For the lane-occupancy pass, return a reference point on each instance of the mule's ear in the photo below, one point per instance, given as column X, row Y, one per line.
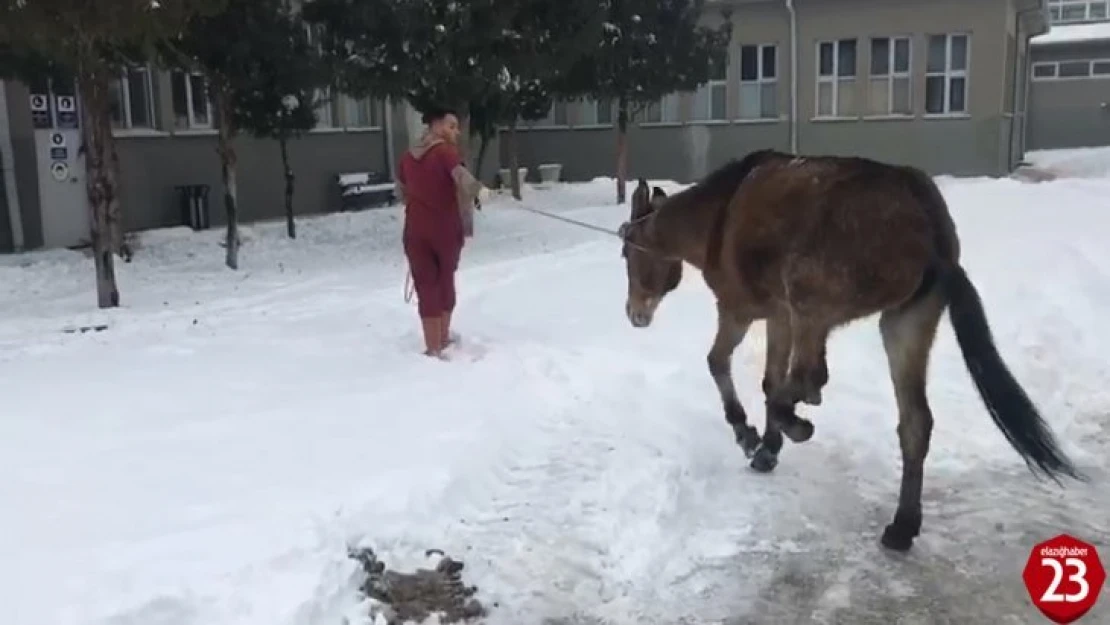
column 657, row 192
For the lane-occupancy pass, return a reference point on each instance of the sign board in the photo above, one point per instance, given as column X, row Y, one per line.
column 59, row 154
column 67, row 111
column 40, row 111
column 59, row 170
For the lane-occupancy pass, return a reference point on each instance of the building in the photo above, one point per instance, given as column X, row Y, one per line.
column 937, row 84
column 941, row 84
column 1069, row 99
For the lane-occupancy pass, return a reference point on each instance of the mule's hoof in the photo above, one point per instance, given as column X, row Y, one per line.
column 898, row 537
column 748, row 440
column 799, row 430
column 764, row 460
column 812, row 397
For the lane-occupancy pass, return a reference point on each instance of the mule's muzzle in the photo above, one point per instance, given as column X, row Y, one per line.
column 622, row 231
column 640, row 314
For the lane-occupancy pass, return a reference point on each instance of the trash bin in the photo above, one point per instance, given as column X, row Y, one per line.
column 194, row 205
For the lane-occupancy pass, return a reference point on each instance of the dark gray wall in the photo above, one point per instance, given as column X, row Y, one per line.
column 152, row 166
column 974, row 144
column 1069, row 113
column 26, row 174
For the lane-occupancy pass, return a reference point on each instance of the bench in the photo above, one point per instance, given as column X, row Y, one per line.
column 364, row 189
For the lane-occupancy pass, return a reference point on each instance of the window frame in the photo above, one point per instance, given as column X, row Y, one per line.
column 949, row 74
column 835, row 79
column 759, row 81
column 127, row 121
column 891, row 76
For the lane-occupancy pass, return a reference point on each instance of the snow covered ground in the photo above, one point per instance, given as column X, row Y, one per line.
column 207, row 459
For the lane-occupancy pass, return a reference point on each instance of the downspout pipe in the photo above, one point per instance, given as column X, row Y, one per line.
column 793, row 76
column 1021, row 87
column 389, row 146
column 7, row 164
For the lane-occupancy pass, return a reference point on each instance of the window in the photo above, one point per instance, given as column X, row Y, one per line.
column 1053, row 70
column 327, row 106
column 360, row 113
column 132, row 100
column 946, row 74
column 664, row 111
column 889, row 90
column 192, row 107
column 711, row 99
column 836, row 78
column 758, row 81
column 595, row 113
column 1071, row 11
column 556, row 115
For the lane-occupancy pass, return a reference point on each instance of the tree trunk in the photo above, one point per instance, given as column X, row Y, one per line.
column 93, row 86
column 481, row 156
column 622, row 148
column 290, row 223
column 514, row 162
column 115, row 217
column 226, row 149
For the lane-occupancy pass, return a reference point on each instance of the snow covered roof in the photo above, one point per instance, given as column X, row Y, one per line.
column 1074, row 33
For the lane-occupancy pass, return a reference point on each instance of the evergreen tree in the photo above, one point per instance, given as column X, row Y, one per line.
column 278, row 97
column 91, row 42
column 225, row 47
column 428, row 52
column 646, row 50
column 547, row 38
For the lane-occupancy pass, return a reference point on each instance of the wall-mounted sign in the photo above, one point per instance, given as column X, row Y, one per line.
column 59, row 170
column 59, row 154
column 40, row 111
column 67, row 111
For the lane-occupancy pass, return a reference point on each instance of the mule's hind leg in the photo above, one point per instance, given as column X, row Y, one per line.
column 808, row 373
column 730, row 332
column 774, row 376
column 908, row 334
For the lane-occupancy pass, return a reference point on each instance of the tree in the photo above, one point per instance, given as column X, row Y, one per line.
column 431, row 52
column 223, row 47
column 547, row 38
column 648, row 49
column 278, row 97
column 91, row 42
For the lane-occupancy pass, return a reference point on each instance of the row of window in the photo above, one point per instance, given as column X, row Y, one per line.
column 1074, row 11
column 135, row 107
column 839, row 90
column 1091, row 68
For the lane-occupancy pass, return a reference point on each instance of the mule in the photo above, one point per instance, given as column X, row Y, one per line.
column 811, row 244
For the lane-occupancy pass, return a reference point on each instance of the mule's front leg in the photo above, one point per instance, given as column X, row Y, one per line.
column 730, row 332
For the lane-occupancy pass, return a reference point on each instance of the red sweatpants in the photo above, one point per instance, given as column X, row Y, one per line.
column 433, row 261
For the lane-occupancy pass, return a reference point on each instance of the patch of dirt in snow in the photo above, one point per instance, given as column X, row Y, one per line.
column 414, row 597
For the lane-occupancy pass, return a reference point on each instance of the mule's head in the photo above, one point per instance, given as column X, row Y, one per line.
column 651, row 274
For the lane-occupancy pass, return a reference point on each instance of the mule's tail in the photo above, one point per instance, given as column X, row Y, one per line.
column 1010, row 408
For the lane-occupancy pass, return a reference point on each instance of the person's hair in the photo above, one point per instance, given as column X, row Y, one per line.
column 436, row 113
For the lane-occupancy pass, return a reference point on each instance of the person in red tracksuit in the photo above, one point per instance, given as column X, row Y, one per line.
column 439, row 195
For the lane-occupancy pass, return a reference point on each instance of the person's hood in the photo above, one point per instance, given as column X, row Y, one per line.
column 426, row 143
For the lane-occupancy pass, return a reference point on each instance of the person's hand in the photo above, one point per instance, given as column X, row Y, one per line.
column 483, row 194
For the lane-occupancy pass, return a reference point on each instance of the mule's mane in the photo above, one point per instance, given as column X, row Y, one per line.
column 720, row 184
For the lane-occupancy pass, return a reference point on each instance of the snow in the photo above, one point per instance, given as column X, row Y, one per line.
column 1073, row 33
column 207, row 458
column 1093, row 162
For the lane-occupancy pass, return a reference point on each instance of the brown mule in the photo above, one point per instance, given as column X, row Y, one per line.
column 810, row 244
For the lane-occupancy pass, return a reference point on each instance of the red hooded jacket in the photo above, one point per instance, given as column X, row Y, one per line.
column 427, row 177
